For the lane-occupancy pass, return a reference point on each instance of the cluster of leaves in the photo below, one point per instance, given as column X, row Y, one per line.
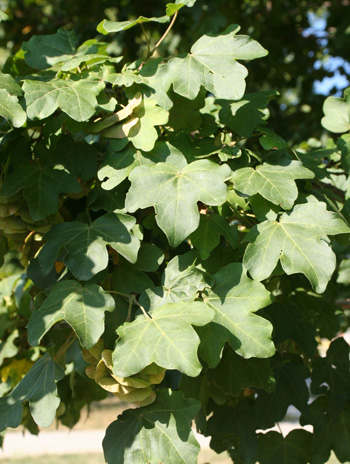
column 161, row 242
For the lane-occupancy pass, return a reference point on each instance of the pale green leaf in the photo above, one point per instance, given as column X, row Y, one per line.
column 7, row 348
column 158, row 433
column 166, row 338
column 39, row 388
column 296, row 240
column 276, row 183
column 106, row 27
column 235, row 298
column 8, row 83
column 212, row 64
column 143, row 135
column 77, row 98
column 11, row 110
column 3, row 16
column 181, row 281
column 174, row 193
column 337, row 113
column 84, row 246
column 119, row 164
column 81, row 306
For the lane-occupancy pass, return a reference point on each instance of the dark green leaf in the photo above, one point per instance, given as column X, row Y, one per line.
column 84, row 245
column 207, row 236
column 39, row 388
column 295, row 448
column 42, row 183
column 160, row 432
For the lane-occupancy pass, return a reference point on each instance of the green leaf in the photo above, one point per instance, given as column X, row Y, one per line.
column 84, row 245
column 333, row 370
column 296, row 240
column 42, row 183
column 79, row 158
column 331, row 431
column 293, row 319
column 234, row 427
column 344, row 144
column 150, row 257
column 143, row 134
column 8, row 83
column 295, row 448
column 276, row 183
column 207, row 236
column 181, row 281
column 272, row 407
column 3, row 16
column 119, row 163
column 212, row 64
column 337, row 113
column 160, row 432
column 11, row 110
column 234, row 373
column 77, row 98
column 127, row 278
column 106, row 27
column 171, row 8
column 159, row 81
column 81, row 306
column 247, row 114
column 43, row 51
column 185, row 114
column 174, row 193
column 166, row 338
column 271, row 140
column 7, row 348
column 234, row 299
column 39, row 388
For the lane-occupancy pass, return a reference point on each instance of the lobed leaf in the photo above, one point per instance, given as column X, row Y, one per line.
column 174, row 193
column 160, row 432
column 296, row 240
column 166, row 338
column 84, row 246
column 81, row 306
column 39, row 388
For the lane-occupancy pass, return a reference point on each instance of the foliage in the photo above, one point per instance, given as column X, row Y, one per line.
column 161, row 242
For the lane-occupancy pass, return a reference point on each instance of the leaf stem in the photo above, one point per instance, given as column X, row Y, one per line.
column 70, row 340
column 132, row 300
column 142, row 308
column 164, row 35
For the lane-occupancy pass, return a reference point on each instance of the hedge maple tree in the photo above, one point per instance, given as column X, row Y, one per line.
column 160, row 242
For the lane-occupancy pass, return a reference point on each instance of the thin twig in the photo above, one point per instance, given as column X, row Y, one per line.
column 164, row 35
column 70, row 340
column 120, row 293
column 132, row 300
column 142, row 308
